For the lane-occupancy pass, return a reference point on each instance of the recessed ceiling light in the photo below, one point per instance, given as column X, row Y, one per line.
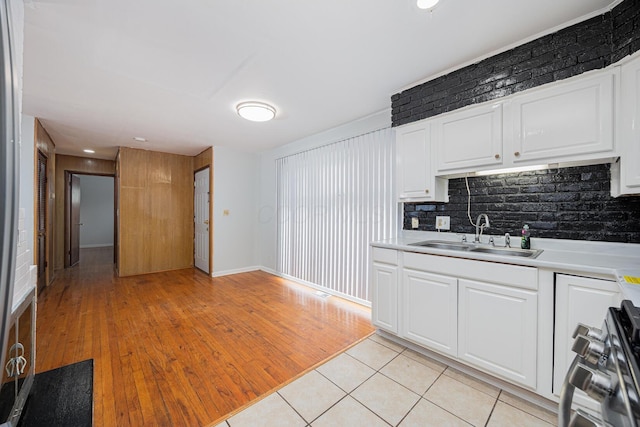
column 139, row 139
column 89, row 151
column 256, row 111
column 427, row 4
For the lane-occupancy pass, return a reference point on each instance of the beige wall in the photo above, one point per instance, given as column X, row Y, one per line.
column 155, row 195
column 76, row 165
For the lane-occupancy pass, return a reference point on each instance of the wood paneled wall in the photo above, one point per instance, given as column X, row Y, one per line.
column 45, row 145
column 201, row 161
column 76, row 165
column 156, row 211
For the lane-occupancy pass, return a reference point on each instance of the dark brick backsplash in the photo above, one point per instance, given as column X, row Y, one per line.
column 585, row 46
column 566, row 203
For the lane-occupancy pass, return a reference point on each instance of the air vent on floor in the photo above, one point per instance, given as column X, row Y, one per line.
column 322, row 294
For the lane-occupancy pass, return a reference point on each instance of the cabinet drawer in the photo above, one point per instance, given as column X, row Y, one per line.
column 386, row 256
column 512, row 275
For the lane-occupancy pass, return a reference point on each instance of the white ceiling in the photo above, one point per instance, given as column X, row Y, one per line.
column 100, row 72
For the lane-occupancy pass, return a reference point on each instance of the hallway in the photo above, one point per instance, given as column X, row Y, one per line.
column 181, row 348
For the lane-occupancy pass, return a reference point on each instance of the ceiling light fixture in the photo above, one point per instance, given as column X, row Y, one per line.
column 427, row 4
column 139, row 139
column 88, row 151
column 256, row 111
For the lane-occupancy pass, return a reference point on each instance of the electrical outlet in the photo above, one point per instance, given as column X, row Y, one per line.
column 415, row 223
column 443, row 223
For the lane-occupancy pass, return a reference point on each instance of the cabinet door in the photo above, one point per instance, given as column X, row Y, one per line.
column 578, row 300
column 430, row 314
column 569, row 121
column 413, row 164
column 629, row 128
column 469, row 139
column 497, row 330
column 384, row 303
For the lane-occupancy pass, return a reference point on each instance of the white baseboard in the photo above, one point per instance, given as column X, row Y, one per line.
column 234, row 271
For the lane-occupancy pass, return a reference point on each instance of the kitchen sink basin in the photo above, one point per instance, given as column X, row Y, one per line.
column 441, row 244
column 472, row 247
column 526, row 253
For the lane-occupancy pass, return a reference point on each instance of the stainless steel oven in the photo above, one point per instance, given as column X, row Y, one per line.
column 606, row 368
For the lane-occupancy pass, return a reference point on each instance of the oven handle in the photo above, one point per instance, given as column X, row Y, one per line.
column 566, row 395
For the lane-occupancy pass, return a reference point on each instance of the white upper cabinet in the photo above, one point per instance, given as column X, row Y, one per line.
column 469, row 139
column 416, row 181
column 568, row 121
column 629, row 131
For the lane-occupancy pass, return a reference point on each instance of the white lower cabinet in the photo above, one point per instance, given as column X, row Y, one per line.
column 384, row 274
column 497, row 329
column 430, row 314
column 578, row 300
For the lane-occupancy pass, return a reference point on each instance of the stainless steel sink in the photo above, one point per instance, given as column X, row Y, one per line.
column 526, row 253
column 472, row 247
column 443, row 244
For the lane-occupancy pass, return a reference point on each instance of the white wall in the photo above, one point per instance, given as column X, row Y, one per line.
column 235, row 177
column 96, row 211
column 267, row 231
column 27, row 171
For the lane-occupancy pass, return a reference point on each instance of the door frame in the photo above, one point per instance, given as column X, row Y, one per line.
column 42, row 281
column 67, row 213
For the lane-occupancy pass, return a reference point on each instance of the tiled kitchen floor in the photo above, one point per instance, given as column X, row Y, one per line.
column 379, row 383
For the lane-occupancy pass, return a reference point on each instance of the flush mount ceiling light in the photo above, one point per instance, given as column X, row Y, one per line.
column 139, row 139
column 427, row 4
column 88, row 151
column 256, row 111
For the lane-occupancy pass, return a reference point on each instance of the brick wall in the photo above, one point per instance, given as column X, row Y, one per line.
column 571, row 203
column 588, row 45
column 566, row 203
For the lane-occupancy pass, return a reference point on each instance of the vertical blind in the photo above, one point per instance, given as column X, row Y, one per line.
column 332, row 202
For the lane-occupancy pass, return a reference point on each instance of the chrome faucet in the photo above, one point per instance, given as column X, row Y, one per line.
column 480, row 229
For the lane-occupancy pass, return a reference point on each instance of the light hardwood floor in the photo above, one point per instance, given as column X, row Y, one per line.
column 181, row 348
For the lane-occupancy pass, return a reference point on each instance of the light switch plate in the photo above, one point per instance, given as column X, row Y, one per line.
column 443, row 223
column 415, row 223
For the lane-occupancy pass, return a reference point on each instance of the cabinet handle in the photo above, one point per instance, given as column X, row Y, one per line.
column 497, row 156
column 517, row 154
column 426, row 191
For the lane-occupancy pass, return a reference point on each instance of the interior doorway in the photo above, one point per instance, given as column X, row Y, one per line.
column 89, row 215
column 41, row 221
column 201, row 202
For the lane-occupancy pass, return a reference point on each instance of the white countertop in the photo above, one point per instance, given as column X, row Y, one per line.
column 601, row 259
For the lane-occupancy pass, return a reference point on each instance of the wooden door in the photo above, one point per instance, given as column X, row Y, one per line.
column 74, row 215
column 201, row 220
column 42, row 222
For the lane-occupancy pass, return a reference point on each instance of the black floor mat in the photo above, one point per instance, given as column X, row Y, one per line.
column 61, row 397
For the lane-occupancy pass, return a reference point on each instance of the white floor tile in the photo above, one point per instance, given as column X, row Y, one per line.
column 347, row 372
column 461, row 400
column 387, row 342
column 311, row 395
column 426, row 414
column 411, row 374
column 348, row 412
column 433, row 364
column 372, row 354
column 530, row 408
column 270, row 411
column 507, row 416
column 472, row 382
column 386, row 398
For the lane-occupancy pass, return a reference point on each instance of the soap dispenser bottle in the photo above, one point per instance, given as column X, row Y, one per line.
column 525, row 243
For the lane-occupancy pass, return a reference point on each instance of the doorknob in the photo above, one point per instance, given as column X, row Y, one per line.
column 206, row 221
